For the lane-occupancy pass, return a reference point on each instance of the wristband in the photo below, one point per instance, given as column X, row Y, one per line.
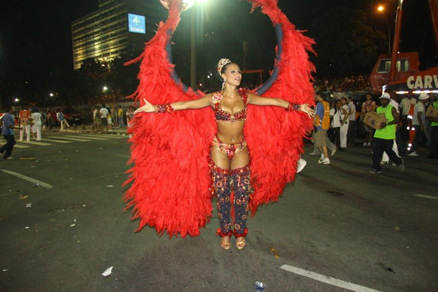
column 163, row 108
column 293, row 107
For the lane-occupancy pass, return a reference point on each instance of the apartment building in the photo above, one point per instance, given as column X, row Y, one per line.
column 118, row 25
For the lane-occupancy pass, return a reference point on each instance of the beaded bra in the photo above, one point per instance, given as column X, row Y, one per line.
column 222, row 115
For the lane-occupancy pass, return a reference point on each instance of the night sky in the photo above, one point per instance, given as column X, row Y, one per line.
column 35, row 36
column 39, row 32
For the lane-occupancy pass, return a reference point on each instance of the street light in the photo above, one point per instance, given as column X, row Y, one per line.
column 381, row 9
column 210, row 77
column 104, row 89
column 193, row 50
column 193, row 42
column 186, row 4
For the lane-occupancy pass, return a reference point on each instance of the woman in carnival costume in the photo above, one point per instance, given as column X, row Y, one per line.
column 179, row 151
column 229, row 157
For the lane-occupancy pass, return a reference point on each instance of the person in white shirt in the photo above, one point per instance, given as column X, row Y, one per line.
column 96, row 118
column 418, row 123
column 351, row 136
column 337, row 113
column 405, row 106
column 345, row 122
column 104, row 117
column 37, row 121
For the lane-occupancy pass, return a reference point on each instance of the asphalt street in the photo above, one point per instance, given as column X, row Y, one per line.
column 336, row 227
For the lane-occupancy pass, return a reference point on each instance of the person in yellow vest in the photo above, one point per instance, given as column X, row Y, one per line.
column 322, row 124
column 434, row 134
column 384, row 137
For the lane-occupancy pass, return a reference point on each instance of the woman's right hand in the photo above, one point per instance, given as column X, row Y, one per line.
column 146, row 108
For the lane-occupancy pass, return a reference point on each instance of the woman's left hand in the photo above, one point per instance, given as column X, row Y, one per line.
column 305, row 108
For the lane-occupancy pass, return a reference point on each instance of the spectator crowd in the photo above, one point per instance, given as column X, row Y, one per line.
column 339, row 121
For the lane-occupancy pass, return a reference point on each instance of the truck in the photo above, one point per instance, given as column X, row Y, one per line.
column 400, row 71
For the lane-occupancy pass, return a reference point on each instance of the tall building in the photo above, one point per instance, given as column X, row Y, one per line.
column 118, row 25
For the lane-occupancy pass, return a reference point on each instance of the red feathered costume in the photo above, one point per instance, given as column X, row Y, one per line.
column 170, row 181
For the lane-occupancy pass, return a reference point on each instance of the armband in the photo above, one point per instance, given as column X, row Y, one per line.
column 293, row 107
column 163, row 108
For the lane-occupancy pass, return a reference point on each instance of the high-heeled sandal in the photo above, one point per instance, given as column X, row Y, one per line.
column 225, row 244
column 240, row 242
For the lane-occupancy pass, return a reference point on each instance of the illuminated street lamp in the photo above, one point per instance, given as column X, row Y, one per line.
column 381, row 9
column 104, row 89
column 51, row 94
column 16, row 100
column 186, row 4
column 209, row 77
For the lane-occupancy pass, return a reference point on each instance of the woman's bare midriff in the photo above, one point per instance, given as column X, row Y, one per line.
column 230, row 132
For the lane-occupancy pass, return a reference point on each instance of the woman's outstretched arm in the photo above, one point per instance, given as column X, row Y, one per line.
column 263, row 101
column 175, row 106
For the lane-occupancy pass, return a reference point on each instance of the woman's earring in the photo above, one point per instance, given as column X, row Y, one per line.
column 223, row 85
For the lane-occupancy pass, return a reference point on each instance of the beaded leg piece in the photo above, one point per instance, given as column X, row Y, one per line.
column 242, row 192
column 222, row 188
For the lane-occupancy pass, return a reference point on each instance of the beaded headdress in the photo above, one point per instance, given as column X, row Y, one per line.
column 222, row 63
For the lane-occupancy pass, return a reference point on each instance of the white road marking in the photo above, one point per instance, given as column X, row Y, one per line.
column 36, row 143
column 57, row 141
column 21, row 146
column 426, row 197
column 115, row 136
column 71, row 139
column 32, row 180
column 85, row 137
column 327, row 279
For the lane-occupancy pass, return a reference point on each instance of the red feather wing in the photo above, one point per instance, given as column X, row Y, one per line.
column 170, row 179
column 275, row 137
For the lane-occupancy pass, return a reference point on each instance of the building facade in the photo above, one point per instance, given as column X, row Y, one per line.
column 118, row 25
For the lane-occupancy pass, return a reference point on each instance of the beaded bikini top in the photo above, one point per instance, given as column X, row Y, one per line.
column 222, row 115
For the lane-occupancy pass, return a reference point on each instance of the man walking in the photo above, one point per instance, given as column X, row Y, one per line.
column 434, row 133
column 120, row 117
column 322, row 124
column 61, row 119
column 418, row 122
column 7, row 121
column 37, row 123
column 384, row 137
column 24, row 124
column 351, row 136
column 104, row 117
column 405, row 105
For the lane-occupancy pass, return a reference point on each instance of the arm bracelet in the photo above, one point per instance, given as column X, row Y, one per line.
column 293, row 107
column 163, row 108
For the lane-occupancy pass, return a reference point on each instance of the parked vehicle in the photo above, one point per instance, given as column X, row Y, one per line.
column 72, row 116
